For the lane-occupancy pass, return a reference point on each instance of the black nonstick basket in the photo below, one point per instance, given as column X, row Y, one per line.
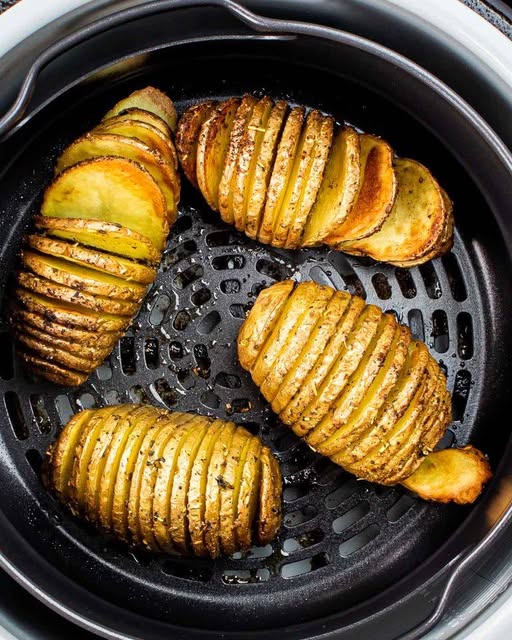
column 349, row 552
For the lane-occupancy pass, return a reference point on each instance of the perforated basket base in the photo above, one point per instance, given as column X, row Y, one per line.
column 343, row 540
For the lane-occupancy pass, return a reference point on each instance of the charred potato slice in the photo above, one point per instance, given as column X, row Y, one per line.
column 41, row 368
column 148, row 99
column 187, row 136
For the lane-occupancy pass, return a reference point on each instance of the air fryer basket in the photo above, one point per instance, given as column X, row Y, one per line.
column 347, row 548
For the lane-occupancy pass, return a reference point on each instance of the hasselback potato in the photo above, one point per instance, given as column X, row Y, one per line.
column 167, row 481
column 100, row 236
column 353, row 383
column 291, row 178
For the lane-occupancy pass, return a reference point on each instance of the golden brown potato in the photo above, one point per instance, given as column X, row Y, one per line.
column 354, row 384
column 187, row 137
column 167, row 481
column 148, row 99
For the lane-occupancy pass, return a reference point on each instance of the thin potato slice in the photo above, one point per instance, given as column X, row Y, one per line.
column 63, row 313
column 96, row 145
column 247, row 158
column 312, row 182
column 81, row 278
column 416, row 221
column 269, row 517
column 51, row 371
column 295, row 341
column 261, row 167
column 212, row 146
column 259, row 324
column 338, row 189
column 320, row 335
column 281, row 172
column 295, row 409
column 50, row 289
column 115, row 265
column 214, row 488
column 105, row 236
column 248, row 494
column 225, row 194
column 284, row 327
column 349, row 357
column 284, row 215
column 228, row 505
column 111, row 190
column 188, row 134
column 451, row 475
column 142, row 115
column 149, row 99
column 358, row 384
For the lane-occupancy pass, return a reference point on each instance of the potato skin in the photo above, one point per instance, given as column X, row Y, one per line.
column 167, row 481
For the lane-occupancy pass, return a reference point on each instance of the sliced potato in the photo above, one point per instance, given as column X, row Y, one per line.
column 281, row 172
column 96, row 145
column 105, row 236
column 249, row 149
column 312, row 182
column 187, row 137
column 51, row 371
column 148, row 99
column 261, row 166
column 111, row 190
column 50, row 289
column 142, row 115
column 269, row 517
column 416, row 221
column 115, row 265
column 376, row 195
column 212, row 146
column 248, row 494
column 259, row 324
column 317, row 341
column 225, row 193
column 338, row 189
column 82, row 278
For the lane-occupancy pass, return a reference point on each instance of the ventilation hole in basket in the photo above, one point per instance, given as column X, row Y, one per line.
column 112, row 397
column 185, row 278
column 224, row 238
column 273, row 270
column 406, row 283
column 239, row 310
column 7, row 360
column 294, row 493
column 399, row 508
column 446, row 441
column 151, row 353
column 16, row 418
column 186, row 379
column 210, row 400
column 381, row 286
column 295, row 518
column 181, row 225
column 350, row 517
column 455, row 279
column 176, row 254
column 230, row 286
column 299, row 568
column 64, row 409
column 464, row 336
column 104, row 371
column 321, row 276
column 41, row 417
column 163, row 392
column 203, row 362
column 415, row 322
column 245, row 576
column 306, row 540
column 181, row 320
column 336, row 497
column 86, row 401
column 175, row 350
column 358, row 541
column 228, row 380
column 285, row 442
column 159, row 309
column 127, row 355
column 138, row 394
column 35, row 460
column 430, row 280
column 201, row 296
column 460, row 394
column 208, row 323
column 440, row 331
column 228, row 262
column 238, row 405
column 260, row 552
column 186, row 571
column 352, row 282
column 327, row 472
